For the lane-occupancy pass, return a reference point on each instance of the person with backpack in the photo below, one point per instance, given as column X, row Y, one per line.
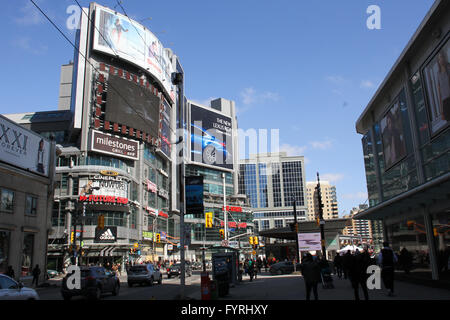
column 387, row 260
column 311, row 275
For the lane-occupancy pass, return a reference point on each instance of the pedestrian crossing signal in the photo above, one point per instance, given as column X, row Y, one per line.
column 222, row 233
column 158, row 237
column 72, row 237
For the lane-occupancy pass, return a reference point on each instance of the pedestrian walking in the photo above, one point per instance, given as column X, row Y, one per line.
column 251, row 269
column 387, row 260
column 311, row 275
column 36, row 272
column 358, row 273
column 338, row 265
column 405, row 260
column 346, row 263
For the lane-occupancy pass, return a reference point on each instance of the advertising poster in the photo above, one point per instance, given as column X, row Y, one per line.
column 394, row 147
column 116, row 35
column 309, row 242
column 106, row 235
column 194, row 195
column 22, row 148
column 211, row 138
column 437, row 78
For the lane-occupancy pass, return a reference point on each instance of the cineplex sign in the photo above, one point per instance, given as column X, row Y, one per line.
column 115, row 146
column 103, row 199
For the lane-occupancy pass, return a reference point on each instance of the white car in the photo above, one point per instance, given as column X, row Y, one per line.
column 143, row 273
column 10, row 289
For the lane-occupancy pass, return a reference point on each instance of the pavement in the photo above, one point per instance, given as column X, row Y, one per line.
column 292, row 287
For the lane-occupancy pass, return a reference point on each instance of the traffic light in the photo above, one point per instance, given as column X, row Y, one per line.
column 250, row 240
column 158, row 237
column 208, row 219
column 101, row 221
column 255, row 240
column 72, row 236
column 222, row 233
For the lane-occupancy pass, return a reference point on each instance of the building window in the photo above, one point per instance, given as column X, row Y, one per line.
column 4, row 250
column 30, row 205
column 7, row 200
column 27, row 254
column 278, row 223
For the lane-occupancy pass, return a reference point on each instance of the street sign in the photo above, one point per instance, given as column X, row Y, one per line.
column 233, row 244
column 225, row 243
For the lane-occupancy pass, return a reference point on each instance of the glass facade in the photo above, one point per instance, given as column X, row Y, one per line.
column 371, row 175
column 263, row 196
column 293, row 183
column 249, row 186
column 276, row 184
column 213, row 182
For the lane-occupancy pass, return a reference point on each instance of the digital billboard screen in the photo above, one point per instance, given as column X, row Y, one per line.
column 211, row 138
column 132, row 105
column 165, row 130
column 194, row 194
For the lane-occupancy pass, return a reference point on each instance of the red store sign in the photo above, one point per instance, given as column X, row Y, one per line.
column 103, row 199
column 233, row 209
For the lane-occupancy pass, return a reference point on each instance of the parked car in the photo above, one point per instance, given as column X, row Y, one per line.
column 52, row 273
column 197, row 266
column 144, row 273
column 284, row 267
column 10, row 289
column 94, row 282
column 175, row 270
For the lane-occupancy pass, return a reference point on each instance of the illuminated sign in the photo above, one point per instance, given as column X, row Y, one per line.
column 103, row 199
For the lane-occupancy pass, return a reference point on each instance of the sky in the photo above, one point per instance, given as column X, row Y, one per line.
column 307, row 68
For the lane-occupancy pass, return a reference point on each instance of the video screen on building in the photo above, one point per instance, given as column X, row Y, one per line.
column 132, row 105
column 211, row 138
column 394, row 147
column 437, row 79
column 165, row 129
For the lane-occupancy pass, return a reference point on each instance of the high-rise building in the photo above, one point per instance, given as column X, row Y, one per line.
column 405, row 132
column 358, row 228
column 329, row 200
column 272, row 182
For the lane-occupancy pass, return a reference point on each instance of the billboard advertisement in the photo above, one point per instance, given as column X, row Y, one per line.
column 132, row 105
column 437, row 79
column 117, row 35
column 309, row 242
column 394, row 147
column 194, row 195
column 103, row 185
column 116, row 146
column 24, row 149
column 105, row 235
column 211, row 138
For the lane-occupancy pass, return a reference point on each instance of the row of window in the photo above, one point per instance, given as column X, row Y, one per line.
column 7, row 202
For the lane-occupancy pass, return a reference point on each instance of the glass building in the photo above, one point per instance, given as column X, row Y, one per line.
column 406, row 142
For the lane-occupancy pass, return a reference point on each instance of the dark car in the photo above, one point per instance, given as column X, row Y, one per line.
column 175, row 270
column 284, row 267
column 94, row 282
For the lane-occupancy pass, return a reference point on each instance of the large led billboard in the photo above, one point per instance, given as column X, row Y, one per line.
column 117, row 35
column 394, row 147
column 132, row 105
column 165, row 129
column 211, row 138
column 437, row 78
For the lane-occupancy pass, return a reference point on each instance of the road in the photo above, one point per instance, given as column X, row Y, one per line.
column 168, row 290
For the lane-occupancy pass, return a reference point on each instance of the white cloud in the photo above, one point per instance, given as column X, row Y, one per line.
column 30, row 15
column 367, row 84
column 335, row 79
column 293, row 150
column 25, row 43
column 355, row 196
column 322, row 145
column 332, row 177
column 251, row 96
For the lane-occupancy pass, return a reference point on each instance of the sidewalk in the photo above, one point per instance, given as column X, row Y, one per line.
column 292, row 287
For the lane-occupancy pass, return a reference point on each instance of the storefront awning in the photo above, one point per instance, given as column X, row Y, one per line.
column 424, row 195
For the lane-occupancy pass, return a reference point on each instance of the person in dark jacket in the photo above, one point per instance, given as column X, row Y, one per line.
column 36, row 272
column 405, row 260
column 10, row 272
column 346, row 263
column 338, row 265
column 358, row 273
column 387, row 260
column 311, row 275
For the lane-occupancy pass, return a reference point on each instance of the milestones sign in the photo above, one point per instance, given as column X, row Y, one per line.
column 115, row 146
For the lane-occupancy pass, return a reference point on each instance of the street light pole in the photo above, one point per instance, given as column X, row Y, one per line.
column 321, row 221
column 225, row 212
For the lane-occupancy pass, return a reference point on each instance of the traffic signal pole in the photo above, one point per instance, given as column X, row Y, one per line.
column 321, row 221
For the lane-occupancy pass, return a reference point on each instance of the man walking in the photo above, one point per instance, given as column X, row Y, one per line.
column 36, row 272
column 387, row 260
column 338, row 265
column 358, row 273
column 311, row 275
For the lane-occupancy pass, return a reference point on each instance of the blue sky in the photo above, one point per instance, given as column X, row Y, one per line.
column 307, row 68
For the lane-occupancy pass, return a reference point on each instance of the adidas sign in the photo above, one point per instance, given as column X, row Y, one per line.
column 107, row 235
